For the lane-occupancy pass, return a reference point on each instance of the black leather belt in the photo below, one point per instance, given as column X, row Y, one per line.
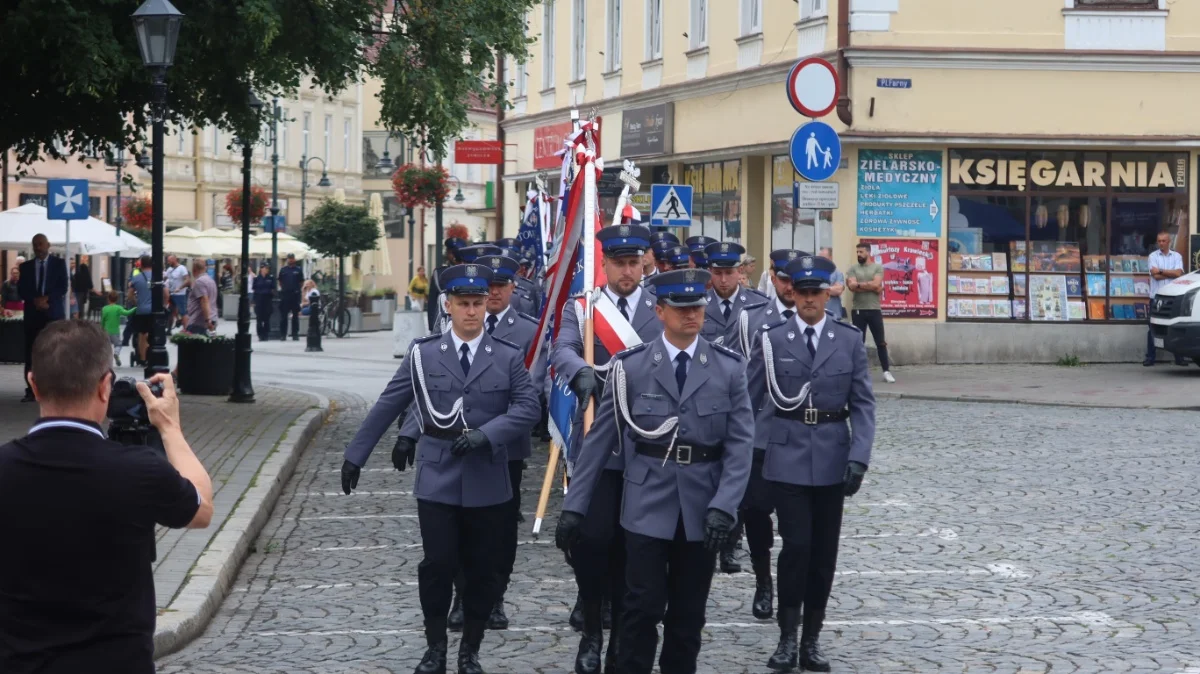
column 683, row 454
column 443, row 433
column 812, row 417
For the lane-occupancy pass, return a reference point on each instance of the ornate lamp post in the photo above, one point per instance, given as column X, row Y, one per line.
column 117, row 162
column 323, row 182
column 243, row 389
column 157, row 23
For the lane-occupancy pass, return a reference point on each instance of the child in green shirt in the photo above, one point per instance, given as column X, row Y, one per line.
column 110, row 318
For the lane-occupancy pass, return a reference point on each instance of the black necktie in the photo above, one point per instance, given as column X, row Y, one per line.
column 808, row 341
column 465, row 361
column 728, row 308
column 41, row 277
column 681, row 362
column 623, row 305
column 787, row 314
column 491, row 323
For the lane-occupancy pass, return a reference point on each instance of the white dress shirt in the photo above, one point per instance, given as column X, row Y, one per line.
column 673, row 351
column 816, row 340
column 499, row 317
column 632, row 300
column 779, row 307
column 472, row 346
column 1163, row 262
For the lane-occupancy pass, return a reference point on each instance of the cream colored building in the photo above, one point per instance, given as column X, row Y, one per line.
column 1060, row 130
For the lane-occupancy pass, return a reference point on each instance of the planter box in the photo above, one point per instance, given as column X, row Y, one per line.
column 386, row 308
column 12, row 341
column 231, row 307
column 206, row 367
column 407, row 326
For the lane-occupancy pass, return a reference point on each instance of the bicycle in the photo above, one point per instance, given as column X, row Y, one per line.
column 336, row 318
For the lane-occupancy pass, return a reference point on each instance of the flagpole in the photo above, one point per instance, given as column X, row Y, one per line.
column 589, row 262
column 547, row 483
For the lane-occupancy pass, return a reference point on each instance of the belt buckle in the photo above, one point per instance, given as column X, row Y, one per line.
column 679, row 458
column 810, row 416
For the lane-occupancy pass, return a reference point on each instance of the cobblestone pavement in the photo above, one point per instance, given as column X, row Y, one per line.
column 231, row 440
column 988, row 538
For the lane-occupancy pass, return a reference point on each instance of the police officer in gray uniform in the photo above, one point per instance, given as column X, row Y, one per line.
column 599, row 556
column 506, row 323
column 807, row 377
column 433, row 303
column 678, row 409
column 475, row 402
column 525, row 295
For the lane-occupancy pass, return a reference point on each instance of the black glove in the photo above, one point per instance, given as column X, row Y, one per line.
column 566, row 534
column 350, row 473
column 471, row 440
column 853, row 478
column 405, row 452
column 584, row 383
column 718, row 525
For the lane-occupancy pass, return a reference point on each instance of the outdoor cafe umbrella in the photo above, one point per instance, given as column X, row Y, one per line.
column 19, row 225
column 184, row 241
column 377, row 261
column 260, row 246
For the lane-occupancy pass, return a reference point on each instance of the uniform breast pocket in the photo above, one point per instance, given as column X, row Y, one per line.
column 713, row 411
column 840, row 375
column 650, row 412
column 440, row 383
column 496, row 393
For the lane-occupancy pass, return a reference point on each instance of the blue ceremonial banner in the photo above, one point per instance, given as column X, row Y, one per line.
column 530, row 234
column 562, row 412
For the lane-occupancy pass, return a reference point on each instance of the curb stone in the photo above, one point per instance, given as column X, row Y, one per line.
column 209, row 581
column 1033, row 403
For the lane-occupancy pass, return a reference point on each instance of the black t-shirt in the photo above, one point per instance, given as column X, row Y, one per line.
column 77, row 541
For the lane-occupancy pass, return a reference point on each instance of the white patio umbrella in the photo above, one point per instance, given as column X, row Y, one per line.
column 220, row 242
column 377, row 261
column 260, row 245
column 19, row 225
column 184, row 241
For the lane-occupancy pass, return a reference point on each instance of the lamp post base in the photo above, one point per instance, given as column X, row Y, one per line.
column 273, row 332
column 243, row 389
column 158, row 361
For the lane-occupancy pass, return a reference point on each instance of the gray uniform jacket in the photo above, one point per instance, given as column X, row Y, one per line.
column 720, row 331
column 714, row 408
column 813, row 455
column 531, row 296
column 518, row 329
column 499, row 399
column 567, row 354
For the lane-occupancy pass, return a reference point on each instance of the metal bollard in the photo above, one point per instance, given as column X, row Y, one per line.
column 314, row 325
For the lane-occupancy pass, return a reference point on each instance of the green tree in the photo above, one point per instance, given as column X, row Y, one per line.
column 80, row 81
column 338, row 230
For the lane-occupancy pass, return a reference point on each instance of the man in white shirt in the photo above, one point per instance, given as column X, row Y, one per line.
column 1165, row 265
column 177, row 282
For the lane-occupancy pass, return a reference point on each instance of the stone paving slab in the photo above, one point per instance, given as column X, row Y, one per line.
column 1164, row 386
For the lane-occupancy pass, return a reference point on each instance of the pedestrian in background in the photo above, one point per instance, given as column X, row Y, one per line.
column 1165, row 265
column 418, row 289
column 43, row 288
column 865, row 280
column 837, row 286
column 264, row 294
column 110, row 318
column 309, row 292
column 749, row 262
column 202, row 301
column 10, row 292
column 81, row 286
column 176, row 281
column 225, row 286
column 291, row 278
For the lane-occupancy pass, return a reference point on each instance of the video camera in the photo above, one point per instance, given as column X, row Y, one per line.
column 130, row 420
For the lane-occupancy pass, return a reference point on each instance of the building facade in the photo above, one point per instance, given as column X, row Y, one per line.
column 1010, row 163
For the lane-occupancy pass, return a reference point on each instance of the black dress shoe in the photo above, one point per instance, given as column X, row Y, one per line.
column 468, row 649
column 811, row 657
column 1147, row 363
column 434, row 661
column 576, row 619
column 606, row 614
column 454, row 621
column 764, row 589
column 786, row 656
column 729, row 563
column 587, row 660
column 497, row 620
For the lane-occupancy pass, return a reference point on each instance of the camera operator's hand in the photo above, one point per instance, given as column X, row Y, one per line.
column 163, row 411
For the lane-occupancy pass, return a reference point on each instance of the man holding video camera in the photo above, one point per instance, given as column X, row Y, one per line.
column 76, row 585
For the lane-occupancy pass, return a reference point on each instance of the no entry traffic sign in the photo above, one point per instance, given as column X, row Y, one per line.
column 812, row 87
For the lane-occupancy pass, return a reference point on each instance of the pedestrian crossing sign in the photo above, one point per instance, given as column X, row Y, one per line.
column 671, row 205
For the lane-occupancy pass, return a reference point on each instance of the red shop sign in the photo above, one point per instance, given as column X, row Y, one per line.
column 478, row 152
column 549, row 139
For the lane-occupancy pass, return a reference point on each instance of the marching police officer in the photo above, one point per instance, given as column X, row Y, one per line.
column 808, row 376
column 678, row 410
column 698, row 243
column 598, row 556
column 699, row 259
column 506, row 323
column 433, row 305
column 475, row 401
column 526, row 298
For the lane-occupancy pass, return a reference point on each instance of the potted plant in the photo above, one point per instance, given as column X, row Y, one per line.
column 12, row 338
column 421, row 185
column 383, row 302
column 258, row 204
column 205, row 363
column 138, row 214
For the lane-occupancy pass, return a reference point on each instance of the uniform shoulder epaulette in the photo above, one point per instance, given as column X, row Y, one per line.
column 845, row 324
column 727, row 351
column 501, row 340
column 756, row 294
column 527, row 317
column 631, row 350
column 773, row 326
column 427, row 338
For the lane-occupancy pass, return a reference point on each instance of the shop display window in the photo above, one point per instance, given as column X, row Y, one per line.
column 716, row 199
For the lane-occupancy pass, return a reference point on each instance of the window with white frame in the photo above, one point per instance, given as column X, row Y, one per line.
column 307, row 128
column 654, row 29
column 284, row 123
column 813, row 8
column 522, row 79
column 612, row 46
column 751, row 17
column 328, row 138
column 346, row 144
column 548, row 44
column 698, row 32
column 578, row 40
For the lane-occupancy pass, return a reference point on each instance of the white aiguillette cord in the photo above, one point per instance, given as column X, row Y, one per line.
column 456, row 412
column 620, row 400
column 781, row 401
column 744, row 324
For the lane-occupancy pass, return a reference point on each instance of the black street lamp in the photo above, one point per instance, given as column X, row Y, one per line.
column 273, row 327
column 323, row 182
column 157, row 23
column 117, row 162
column 243, row 389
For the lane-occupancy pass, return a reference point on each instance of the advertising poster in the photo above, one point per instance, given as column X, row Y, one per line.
column 910, row 276
column 899, row 193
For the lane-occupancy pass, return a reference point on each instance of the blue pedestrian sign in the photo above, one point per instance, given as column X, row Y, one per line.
column 274, row 223
column 67, row 200
column 816, row 151
column 671, row 205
